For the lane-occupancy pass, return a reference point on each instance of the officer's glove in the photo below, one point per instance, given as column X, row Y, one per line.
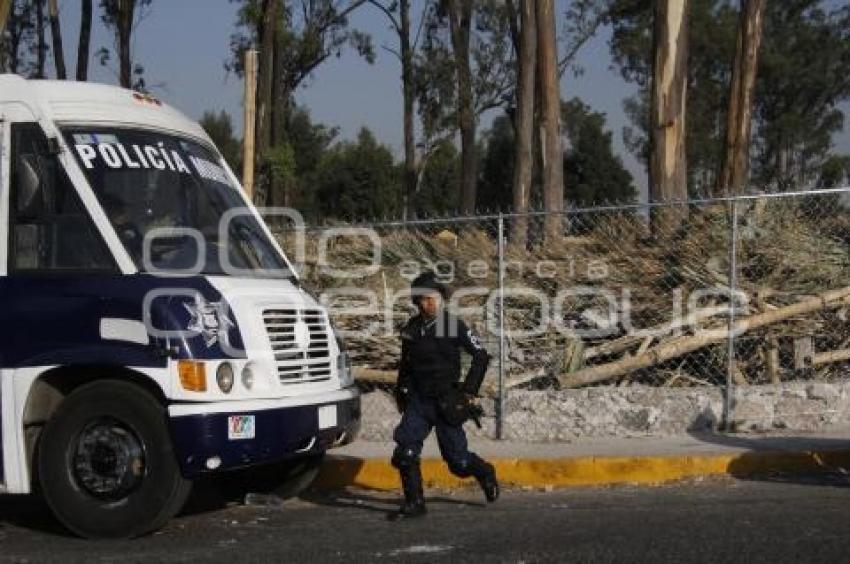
column 402, row 396
column 474, row 408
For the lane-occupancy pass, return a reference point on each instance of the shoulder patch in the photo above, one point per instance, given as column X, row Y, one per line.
column 474, row 339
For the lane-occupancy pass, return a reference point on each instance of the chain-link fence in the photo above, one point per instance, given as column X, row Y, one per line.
column 725, row 292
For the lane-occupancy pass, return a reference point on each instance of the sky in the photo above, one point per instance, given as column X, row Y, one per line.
column 184, row 54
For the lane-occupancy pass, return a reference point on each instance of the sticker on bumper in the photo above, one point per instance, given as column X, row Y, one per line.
column 327, row 416
column 241, row 427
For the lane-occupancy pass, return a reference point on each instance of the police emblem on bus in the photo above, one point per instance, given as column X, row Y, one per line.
column 209, row 319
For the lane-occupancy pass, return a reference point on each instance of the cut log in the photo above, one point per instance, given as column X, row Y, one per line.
column 639, row 337
column 376, row 376
column 831, row 357
column 681, row 346
column 613, row 347
column 520, row 379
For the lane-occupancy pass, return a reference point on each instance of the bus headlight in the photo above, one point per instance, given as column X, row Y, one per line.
column 224, row 377
column 248, row 376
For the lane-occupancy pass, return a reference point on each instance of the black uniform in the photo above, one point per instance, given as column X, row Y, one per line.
column 430, row 366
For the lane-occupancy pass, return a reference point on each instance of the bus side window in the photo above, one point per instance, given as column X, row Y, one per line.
column 50, row 229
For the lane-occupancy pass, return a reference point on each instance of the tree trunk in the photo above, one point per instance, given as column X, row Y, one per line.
column 265, row 80
column 249, row 136
column 41, row 44
column 124, row 26
column 85, row 41
column 735, row 174
column 5, row 7
column 669, row 170
column 56, row 34
column 408, row 94
column 460, row 19
column 553, row 155
column 524, row 147
column 280, row 189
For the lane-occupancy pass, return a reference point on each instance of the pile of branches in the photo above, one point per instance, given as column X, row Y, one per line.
column 789, row 317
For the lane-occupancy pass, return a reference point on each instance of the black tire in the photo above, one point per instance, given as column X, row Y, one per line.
column 106, row 465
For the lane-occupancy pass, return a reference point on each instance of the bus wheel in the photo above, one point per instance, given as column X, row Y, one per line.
column 105, row 462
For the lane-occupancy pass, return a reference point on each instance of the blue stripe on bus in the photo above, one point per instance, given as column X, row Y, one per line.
column 56, row 319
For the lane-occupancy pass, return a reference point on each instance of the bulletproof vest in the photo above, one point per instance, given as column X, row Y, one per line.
column 433, row 353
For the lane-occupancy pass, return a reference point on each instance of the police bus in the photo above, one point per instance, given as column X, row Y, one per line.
column 152, row 331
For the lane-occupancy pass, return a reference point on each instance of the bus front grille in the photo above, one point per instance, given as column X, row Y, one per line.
column 300, row 341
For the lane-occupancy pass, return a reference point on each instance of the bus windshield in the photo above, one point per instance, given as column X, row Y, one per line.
column 172, row 204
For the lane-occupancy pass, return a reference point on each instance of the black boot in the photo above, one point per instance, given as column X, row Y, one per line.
column 414, row 499
column 485, row 474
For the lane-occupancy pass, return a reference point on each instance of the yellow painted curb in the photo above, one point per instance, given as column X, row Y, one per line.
column 339, row 472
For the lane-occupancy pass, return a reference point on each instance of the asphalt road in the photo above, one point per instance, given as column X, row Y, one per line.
column 776, row 520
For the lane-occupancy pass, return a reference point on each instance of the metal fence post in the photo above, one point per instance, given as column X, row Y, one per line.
column 500, row 405
column 731, row 366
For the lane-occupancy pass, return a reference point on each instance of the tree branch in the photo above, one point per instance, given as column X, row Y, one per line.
column 351, row 7
column 389, row 49
column 387, row 13
column 421, row 26
column 583, row 38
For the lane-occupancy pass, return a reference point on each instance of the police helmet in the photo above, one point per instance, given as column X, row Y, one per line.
column 427, row 282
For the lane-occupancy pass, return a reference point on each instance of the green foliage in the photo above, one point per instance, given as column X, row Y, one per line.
column 491, row 59
column 219, row 126
column 306, row 34
column 110, row 12
column 310, row 32
column 437, row 193
column 436, row 89
column 309, row 142
column 593, row 174
column 281, row 163
column 802, row 78
column 358, row 180
column 835, row 172
column 496, row 169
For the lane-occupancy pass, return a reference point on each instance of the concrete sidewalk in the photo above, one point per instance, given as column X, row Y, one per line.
column 603, row 461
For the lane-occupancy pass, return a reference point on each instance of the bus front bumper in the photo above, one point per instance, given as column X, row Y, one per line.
column 212, row 437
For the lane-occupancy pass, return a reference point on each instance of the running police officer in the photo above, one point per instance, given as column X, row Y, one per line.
column 429, row 394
